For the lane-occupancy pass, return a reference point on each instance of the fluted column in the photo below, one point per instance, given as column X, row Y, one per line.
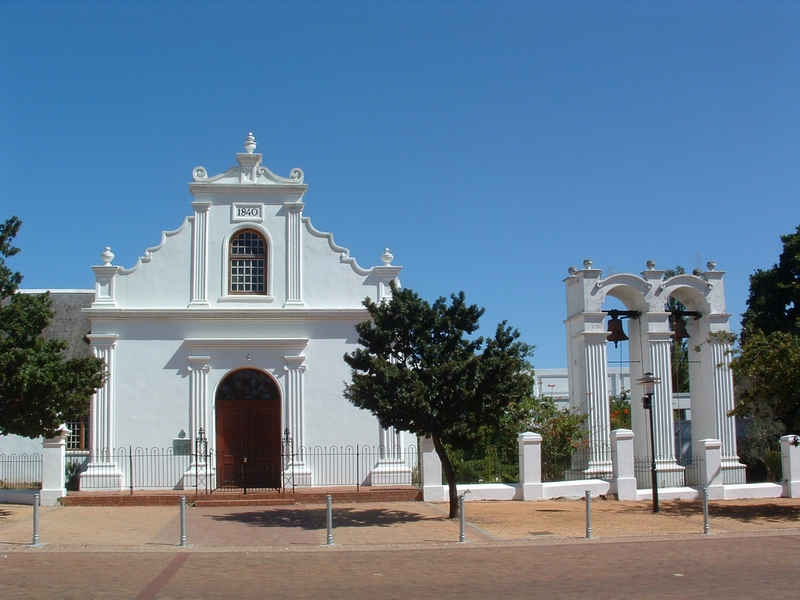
column 391, row 468
column 198, row 368
column 102, row 471
column 201, row 472
column 733, row 470
column 294, row 254
column 389, row 442
column 296, row 469
column 596, row 385
column 660, row 350
column 661, row 366
column 200, row 254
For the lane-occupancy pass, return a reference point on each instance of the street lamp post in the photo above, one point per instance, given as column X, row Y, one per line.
column 649, row 382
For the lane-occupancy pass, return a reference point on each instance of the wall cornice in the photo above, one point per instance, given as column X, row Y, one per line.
column 301, row 314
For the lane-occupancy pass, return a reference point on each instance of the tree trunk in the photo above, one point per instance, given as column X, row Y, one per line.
column 450, row 473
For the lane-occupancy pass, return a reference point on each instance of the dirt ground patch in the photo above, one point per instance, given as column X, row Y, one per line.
column 392, row 523
column 610, row 518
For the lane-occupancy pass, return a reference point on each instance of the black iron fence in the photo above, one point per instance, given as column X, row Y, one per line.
column 668, row 473
column 20, row 471
column 209, row 471
column 576, row 463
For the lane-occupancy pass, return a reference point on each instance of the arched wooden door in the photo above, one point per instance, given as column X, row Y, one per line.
column 248, row 415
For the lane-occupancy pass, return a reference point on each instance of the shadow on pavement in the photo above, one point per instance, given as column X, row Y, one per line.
column 315, row 518
column 771, row 512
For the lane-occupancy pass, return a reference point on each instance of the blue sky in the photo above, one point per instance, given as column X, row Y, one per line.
column 490, row 145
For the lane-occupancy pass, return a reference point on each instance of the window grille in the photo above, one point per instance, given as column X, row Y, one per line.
column 78, row 438
column 248, row 263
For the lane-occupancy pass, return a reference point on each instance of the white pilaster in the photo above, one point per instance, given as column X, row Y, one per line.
column 294, row 253
column 596, row 385
column 669, row 472
column 732, row 470
column 385, row 274
column 391, row 467
column 105, row 276
column 200, row 254
column 199, row 472
column 296, row 471
column 102, row 472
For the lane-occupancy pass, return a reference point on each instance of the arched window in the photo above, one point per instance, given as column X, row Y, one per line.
column 248, row 263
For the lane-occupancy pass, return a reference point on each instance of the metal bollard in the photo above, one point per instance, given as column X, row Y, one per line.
column 184, row 540
column 329, row 502
column 35, row 540
column 706, row 527
column 588, row 515
column 461, row 518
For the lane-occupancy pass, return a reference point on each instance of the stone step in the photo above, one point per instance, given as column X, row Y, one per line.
column 220, row 501
column 227, row 498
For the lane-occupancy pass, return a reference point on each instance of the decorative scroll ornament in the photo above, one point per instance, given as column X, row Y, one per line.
column 249, row 171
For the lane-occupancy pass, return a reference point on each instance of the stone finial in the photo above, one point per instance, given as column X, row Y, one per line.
column 250, row 143
column 712, row 264
column 572, row 270
column 651, row 265
column 587, row 263
column 107, row 256
column 387, row 257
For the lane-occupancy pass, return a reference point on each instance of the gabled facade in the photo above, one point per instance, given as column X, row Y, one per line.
column 232, row 328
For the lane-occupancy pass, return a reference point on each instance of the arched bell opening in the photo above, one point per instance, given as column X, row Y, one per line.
column 598, row 364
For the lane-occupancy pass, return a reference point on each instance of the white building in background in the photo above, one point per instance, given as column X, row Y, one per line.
column 555, row 383
column 233, row 327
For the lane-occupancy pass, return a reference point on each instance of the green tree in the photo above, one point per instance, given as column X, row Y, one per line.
column 563, row 432
column 774, row 300
column 766, row 365
column 418, row 370
column 767, row 370
column 39, row 387
column 619, row 408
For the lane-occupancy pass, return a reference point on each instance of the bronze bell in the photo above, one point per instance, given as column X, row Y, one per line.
column 615, row 332
column 678, row 328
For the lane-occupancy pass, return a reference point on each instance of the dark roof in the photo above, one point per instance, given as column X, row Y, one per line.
column 69, row 323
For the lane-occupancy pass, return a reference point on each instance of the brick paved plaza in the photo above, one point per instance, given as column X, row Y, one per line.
column 404, row 549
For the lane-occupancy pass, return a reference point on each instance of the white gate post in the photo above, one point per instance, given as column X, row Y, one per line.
column 530, row 465
column 790, row 461
column 624, row 481
column 709, row 451
column 53, row 465
column 432, row 488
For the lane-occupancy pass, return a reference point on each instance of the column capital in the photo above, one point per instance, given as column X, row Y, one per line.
column 198, row 363
column 294, row 362
column 103, row 339
column 660, row 337
column 595, row 337
column 294, row 206
column 201, row 205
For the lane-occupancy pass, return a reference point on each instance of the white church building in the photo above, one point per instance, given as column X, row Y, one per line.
column 233, row 329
